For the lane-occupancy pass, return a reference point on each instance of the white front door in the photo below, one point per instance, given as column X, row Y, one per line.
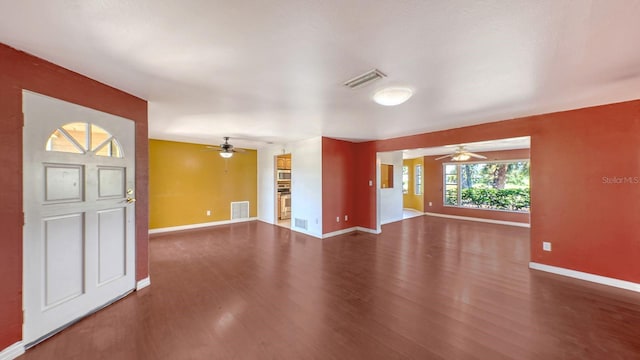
column 79, row 232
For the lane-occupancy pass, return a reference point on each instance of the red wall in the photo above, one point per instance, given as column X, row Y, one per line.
column 338, row 174
column 364, row 195
column 593, row 226
column 433, row 189
column 19, row 71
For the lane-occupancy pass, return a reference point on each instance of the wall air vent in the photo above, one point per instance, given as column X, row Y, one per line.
column 300, row 223
column 361, row 80
column 239, row 210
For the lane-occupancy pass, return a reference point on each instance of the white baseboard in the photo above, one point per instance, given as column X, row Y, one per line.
column 303, row 231
column 198, row 226
column 12, row 351
column 490, row 221
column 627, row 285
column 143, row 283
column 367, row 230
column 339, row 232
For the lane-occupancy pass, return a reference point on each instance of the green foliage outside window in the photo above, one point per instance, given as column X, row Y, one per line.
column 500, row 185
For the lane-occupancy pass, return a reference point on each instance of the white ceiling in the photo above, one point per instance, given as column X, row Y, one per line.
column 523, row 142
column 273, row 70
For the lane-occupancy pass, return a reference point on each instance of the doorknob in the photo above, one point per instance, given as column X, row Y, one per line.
column 131, row 200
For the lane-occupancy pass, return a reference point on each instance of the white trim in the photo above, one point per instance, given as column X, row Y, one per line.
column 339, row 232
column 303, row 231
column 586, row 276
column 143, row 283
column 197, row 226
column 12, row 351
column 390, row 221
column 414, row 213
column 490, row 221
column 367, row 230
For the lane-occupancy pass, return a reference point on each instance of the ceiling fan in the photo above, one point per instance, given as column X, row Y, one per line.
column 226, row 150
column 461, row 154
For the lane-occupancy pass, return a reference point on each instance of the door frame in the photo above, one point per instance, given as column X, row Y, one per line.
column 130, row 250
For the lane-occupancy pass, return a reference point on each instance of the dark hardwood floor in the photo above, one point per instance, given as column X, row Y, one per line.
column 427, row 288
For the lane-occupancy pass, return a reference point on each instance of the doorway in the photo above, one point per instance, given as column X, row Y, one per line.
column 79, row 205
column 283, row 190
column 484, row 181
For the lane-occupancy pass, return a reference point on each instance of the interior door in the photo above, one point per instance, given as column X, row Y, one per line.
column 79, row 232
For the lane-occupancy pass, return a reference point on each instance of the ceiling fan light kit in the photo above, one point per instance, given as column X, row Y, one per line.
column 461, row 154
column 461, row 157
column 226, row 150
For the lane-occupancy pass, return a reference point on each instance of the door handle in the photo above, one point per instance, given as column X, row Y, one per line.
column 130, row 200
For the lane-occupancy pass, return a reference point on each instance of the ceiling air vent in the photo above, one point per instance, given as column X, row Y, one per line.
column 360, row 80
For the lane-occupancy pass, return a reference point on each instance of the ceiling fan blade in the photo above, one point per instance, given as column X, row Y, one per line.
column 444, row 157
column 476, row 155
column 239, row 150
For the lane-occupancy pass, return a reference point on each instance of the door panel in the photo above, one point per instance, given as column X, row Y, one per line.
column 111, row 182
column 63, row 182
column 63, row 259
column 79, row 233
column 111, row 244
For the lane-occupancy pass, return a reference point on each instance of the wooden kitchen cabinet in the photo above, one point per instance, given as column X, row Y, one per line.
column 284, row 163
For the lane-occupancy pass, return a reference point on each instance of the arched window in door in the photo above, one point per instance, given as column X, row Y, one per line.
column 84, row 138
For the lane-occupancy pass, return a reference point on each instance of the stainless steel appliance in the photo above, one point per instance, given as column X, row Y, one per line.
column 284, row 206
column 283, row 175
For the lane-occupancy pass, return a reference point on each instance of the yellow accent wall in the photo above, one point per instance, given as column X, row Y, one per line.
column 411, row 200
column 185, row 182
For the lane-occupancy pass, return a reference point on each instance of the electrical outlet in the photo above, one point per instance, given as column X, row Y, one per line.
column 337, row 218
column 546, row 246
column 208, row 212
column 346, row 218
column 430, row 203
column 370, row 182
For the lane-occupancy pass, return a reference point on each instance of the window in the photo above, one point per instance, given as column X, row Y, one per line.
column 496, row 185
column 418, row 187
column 405, row 179
column 82, row 138
column 450, row 184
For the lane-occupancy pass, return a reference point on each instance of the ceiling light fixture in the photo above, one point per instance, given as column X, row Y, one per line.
column 392, row 96
column 226, row 154
column 461, row 157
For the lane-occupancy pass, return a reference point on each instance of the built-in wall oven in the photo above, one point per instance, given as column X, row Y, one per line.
column 285, row 206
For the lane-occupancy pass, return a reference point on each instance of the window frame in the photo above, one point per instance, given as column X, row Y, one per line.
column 405, row 167
column 458, row 184
column 446, row 184
column 418, row 178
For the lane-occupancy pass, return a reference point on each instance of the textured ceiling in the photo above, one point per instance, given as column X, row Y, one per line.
column 273, row 70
